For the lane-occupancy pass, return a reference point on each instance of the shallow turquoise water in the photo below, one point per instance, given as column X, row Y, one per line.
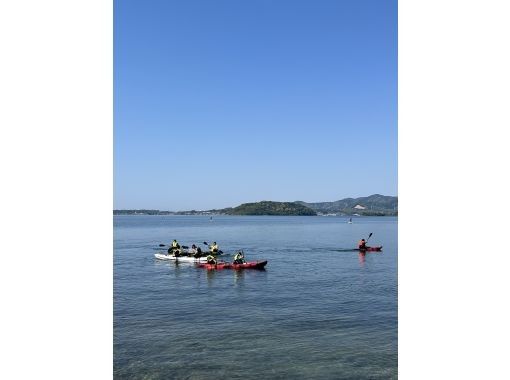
column 314, row 313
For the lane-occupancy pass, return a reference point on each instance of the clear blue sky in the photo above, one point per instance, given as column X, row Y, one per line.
column 218, row 103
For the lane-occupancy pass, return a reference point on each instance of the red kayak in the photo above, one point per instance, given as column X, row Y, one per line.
column 371, row 248
column 248, row 265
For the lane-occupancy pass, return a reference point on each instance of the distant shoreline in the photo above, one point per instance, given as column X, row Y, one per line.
column 210, row 215
column 373, row 205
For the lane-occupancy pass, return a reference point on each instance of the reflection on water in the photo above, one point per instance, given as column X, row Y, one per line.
column 362, row 256
column 179, row 268
column 210, row 276
column 238, row 277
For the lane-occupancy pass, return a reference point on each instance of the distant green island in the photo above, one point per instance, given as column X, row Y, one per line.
column 270, row 208
column 373, row 205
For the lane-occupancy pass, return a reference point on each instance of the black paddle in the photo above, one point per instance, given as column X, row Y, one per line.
column 182, row 246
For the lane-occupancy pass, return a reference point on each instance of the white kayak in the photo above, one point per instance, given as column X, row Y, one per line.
column 189, row 259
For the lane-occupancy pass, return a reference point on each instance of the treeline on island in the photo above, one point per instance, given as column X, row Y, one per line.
column 270, row 208
column 158, row 212
column 373, row 205
column 142, row 212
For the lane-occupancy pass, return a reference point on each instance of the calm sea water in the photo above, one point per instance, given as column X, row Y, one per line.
column 314, row 313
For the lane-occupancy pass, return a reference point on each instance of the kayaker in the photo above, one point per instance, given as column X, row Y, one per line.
column 213, row 248
column 195, row 251
column 211, row 260
column 362, row 244
column 174, row 247
column 239, row 258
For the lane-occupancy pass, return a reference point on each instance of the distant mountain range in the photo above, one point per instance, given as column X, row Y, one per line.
column 373, row 205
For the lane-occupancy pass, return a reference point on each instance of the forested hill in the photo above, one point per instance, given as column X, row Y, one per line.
column 270, row 208
column 372, row 205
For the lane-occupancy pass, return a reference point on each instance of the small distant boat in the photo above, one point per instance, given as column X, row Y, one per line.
column 350, row 221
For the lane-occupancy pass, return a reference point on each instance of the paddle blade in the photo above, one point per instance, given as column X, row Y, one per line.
column 370, row 234
column 161, row 245
column 205, row 243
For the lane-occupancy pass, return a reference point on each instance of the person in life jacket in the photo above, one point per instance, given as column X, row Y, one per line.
column 211, row 259
column 198, row 253
column 213, row 248
column 362, row 244
column 174, row 248
column 239, row 258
